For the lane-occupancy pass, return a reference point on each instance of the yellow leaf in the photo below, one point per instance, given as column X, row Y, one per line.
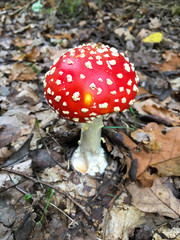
column 153, row 38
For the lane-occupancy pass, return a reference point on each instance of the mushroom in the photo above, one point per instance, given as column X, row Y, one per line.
column 84, row 84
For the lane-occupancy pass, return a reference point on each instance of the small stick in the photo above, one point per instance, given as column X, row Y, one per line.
column 48, row 185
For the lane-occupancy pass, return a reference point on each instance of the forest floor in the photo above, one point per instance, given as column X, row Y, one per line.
column 41, row 196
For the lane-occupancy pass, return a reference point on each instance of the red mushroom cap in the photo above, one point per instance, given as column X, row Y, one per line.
column 89, row 81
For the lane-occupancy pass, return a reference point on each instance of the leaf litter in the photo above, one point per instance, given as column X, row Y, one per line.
column 149, row 154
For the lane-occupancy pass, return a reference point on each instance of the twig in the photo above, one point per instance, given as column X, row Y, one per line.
column 91, row 201
column 48, row 185
column 111, row 203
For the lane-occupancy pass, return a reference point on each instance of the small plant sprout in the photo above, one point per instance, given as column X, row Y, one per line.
column 84, row 84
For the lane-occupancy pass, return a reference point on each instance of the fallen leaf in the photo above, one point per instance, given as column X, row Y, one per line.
column 59, row 36
column 21, row 72
column 157, row 199
column 22, row 42
column 171, row 63
column 153, row 38
column 163, row 113
column 155, row 23
column 165, row 232
column 156, row 150
column 31, row 56
column 123, row 219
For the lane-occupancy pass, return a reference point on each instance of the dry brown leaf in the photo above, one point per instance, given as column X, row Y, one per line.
column 59, row 36
column 157, row 199
column 31, row 56
column 171, row 63
column 123, row 219
column 22, row 42
column 21, row 72
column 163, row 113
column 157, row 150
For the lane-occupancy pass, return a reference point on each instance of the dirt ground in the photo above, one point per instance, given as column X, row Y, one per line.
column 41, row 196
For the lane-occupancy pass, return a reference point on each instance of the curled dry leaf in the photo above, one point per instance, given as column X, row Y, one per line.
column 21, row 72
column 163, row 113
column 156, row 150
column 123, row 219
column 157, row 199
column 171, row 63
column 31, row 56
column 22, row 42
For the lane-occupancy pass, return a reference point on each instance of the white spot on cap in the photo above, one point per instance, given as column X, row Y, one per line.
column 44, row 84
column 98, row 57
column 76, row 96
column 119, row 75
column 99, row 90
column 106, row 55
column 132, row 67
column 109, row 81
column 137, row 79
column 99, row 62
column 128, row 91
column 82, row 76
column 113, row 50
column 129, row 83
column 100, row 50
column 65, row 112
column 116, row 100
column 103, row 105
column 135, row 88
column 70, row 62
column 67, row 93
column 60, row 73
column 50, row 101
column 49, row 91
column 115, row 54
column 116, row 109
column 92, row 118
column 64, row 104
column 58, row 82
column 82, row 55
column 109, row 65
column 88, row 65
column 86, row 118
column 47, row 74
column 123, row 100
column 127, row 67
column 75, row 113
column 75, row 119
column 69, row 78
column 131, row 102
column 92, row 52
column 113, row 92
column 93, row 114
column 84, row 110
column 100, row 80
column 121, row 89
column 92, row 86
column 52, row 70
column 57, row 98
column 112, row 62
column 52, row 79
column 90, row 58
column 55, row 61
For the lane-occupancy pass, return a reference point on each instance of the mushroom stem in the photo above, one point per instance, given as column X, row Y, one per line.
column 89, row 157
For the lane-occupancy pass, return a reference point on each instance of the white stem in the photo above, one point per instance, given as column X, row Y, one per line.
column 89, row 156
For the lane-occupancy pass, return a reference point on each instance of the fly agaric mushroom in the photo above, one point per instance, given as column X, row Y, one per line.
column 84, row 84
